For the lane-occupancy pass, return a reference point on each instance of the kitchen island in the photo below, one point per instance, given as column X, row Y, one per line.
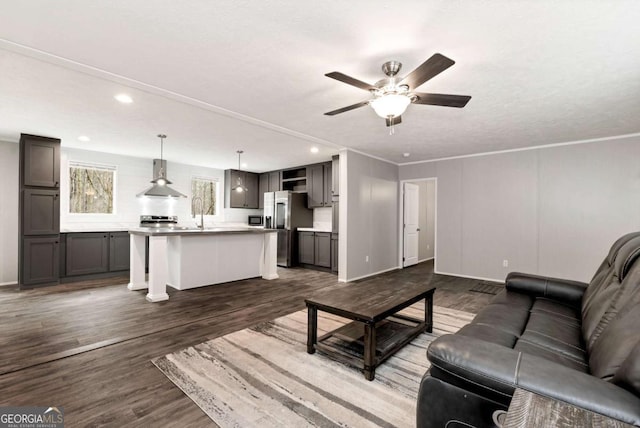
column 186, row 258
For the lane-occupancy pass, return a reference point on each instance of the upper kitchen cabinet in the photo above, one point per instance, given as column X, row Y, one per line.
column 319, row 185
column 41, row 212
column 40, row 159
column 248, row 198
column 269, row 182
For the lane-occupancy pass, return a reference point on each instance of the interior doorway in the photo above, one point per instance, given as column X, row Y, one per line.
column 418, row 221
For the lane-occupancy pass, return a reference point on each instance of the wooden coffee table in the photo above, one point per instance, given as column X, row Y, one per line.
column 377, row 330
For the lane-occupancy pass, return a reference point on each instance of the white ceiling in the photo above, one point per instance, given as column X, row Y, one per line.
column 217, row 76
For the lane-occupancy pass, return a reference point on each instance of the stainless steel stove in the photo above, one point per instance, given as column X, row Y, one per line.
column 158, row 220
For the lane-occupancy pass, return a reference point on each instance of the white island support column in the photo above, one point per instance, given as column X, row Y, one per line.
column 158, row 272
column 270, row 256
column 136, row 263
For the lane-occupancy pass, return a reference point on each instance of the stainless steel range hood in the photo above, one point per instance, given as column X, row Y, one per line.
column 160, row 188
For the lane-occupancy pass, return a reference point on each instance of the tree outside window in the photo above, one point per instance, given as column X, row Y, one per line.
column 91, row 189
column 205, row 188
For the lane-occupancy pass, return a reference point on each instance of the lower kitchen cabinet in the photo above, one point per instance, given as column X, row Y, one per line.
column 306, row 248
column 119, row 244
column 40, row 260
column 314, row 249
column 322, row 255
column 87, row 253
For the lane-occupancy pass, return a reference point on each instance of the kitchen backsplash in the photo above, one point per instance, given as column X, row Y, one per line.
column 322, row 218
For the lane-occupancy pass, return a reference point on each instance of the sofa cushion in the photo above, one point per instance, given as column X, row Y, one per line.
column 557, row 310
column 489, row 333
column 503, row 317
column 551, row 355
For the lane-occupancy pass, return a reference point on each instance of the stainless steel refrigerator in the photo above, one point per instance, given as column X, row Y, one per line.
column 287, row 211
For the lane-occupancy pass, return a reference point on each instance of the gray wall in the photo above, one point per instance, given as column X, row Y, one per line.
column 426, row 219
column 552, row 211
column 371, row 215
column 8, row 212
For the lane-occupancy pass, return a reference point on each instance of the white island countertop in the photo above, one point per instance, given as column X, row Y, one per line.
column 178, row 231
column 313, row 229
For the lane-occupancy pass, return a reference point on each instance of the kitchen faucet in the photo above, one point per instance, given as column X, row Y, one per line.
column 193, row 210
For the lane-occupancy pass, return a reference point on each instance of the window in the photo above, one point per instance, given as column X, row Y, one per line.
column 207, row 189
column 91, row 188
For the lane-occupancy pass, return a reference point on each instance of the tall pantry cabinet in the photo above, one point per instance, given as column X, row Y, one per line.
column 39, row 216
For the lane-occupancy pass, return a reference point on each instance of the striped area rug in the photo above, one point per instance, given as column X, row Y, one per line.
column 263, row 377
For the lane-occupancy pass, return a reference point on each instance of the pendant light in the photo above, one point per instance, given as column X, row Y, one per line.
column 239, row 187
column 160, row 182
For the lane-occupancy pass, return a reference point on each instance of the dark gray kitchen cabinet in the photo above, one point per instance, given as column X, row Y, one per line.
column 319, row 185
column 87, row 253
column 263, row 187
column 275, row 184
column 306, row 248
column 314, row 249
column 334, row 252
column 40, row 261
column 247, row 198
column 40, row 158
column 119, row 247
column 269, row 182
column 40, row 212
column 322, row 256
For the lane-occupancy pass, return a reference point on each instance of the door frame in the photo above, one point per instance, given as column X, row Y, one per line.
column 401, row 221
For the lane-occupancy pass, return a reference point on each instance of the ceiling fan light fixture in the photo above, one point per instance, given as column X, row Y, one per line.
column 390, row 105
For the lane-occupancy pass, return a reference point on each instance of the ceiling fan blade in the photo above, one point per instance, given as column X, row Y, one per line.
column 351, row 81
column 394, row 120
column 442, row 99
column 347, row 108
column 429, row 69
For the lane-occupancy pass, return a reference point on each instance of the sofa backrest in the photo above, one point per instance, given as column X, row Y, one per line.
column 607, row 298
column 612, row 354
column 605, row 272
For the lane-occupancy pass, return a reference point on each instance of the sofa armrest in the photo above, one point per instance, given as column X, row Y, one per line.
column 561, row 290
column 503, row 369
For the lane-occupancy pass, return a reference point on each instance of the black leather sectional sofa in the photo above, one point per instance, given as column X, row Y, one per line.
column 571, row 341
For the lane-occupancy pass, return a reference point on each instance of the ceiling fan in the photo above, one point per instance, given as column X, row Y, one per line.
column 392, row 95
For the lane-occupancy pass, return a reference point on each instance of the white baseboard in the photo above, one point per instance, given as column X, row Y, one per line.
column 8, row 283
column 372, row 274
column 426, row 260
column 501, row 281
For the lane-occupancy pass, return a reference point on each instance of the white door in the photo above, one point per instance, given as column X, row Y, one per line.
column 411, row 209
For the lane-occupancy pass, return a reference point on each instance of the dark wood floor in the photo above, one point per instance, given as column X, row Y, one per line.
column 87, row 346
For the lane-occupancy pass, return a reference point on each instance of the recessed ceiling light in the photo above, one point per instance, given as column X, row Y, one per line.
column 244, row 165
column 406, row 155
column 314, row 150
column 124, row 98
column 84, row 138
